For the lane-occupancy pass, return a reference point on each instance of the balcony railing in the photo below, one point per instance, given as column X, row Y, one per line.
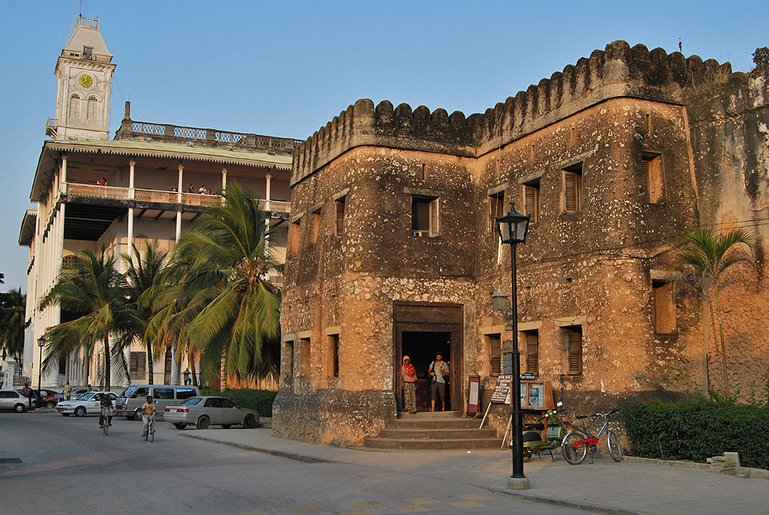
column 130, row 129
column 75, row 190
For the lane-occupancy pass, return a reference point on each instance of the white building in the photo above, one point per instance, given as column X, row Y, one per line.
column 92, row 192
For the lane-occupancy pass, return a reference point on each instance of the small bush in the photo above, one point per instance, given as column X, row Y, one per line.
column 259, row 400
column 697, row 429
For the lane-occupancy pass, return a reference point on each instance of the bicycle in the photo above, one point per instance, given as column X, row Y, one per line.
column 577, row 442
column 149, row 434
column 104, row 418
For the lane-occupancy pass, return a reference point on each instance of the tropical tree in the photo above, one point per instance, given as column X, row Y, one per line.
column 90, row 285
column 13, row 323
column 709, row 256
column 226, row 263
column 145, row 279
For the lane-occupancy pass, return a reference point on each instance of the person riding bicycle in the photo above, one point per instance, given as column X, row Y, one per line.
column 148, row 410
column 106, row 409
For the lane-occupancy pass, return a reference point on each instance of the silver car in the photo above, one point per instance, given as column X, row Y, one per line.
column 86, row 404
column 12, row 399
column 205, row 411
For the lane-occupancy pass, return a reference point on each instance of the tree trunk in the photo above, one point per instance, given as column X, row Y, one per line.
column 223, row 373
column 150, row 364
column 194, row 369
column 724, row 369
column 107, row 364
column 705, row 330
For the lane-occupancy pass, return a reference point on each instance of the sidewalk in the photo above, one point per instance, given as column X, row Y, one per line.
column 632, row 486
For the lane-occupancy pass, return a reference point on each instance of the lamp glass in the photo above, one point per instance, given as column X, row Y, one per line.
column 41, row 342
column 499, row 300
column 513, row 227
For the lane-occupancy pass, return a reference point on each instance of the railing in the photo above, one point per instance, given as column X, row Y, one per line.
column 204, row 137
column 75, row 190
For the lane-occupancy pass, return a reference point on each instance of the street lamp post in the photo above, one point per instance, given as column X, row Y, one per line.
column 41, row 344
column 512, row 229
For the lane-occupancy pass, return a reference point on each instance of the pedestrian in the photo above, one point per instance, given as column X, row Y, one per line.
column 202, row 190
column 27, row 392
column 89, row 387
column 191, row 188
column 106, row 409
column 67, row 390
column 409, row 377
column 439, row 374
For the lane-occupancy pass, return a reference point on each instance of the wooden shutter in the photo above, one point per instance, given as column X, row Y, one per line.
column 574, row 346
column 340, row 217
column 532, row 353
column 495, row 342
column 572, row 182
column 435, row 217
column 532, row 200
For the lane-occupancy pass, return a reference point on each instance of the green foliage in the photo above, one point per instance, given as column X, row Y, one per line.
column 259, row 400
column 697, row 429
column 761, row 57
column 13, row 323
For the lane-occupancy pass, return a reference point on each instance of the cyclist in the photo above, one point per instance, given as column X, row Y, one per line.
column 148, row 410
column 106, row 410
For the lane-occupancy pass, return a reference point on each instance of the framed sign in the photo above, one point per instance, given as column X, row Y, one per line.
column 474, row 395
column 501, row 393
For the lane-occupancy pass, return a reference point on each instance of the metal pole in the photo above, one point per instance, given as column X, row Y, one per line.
column 516, row 404
column 39, row 373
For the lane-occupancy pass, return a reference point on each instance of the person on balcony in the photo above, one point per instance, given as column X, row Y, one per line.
column 102, row 181
column 202, row 190
column 191, row 189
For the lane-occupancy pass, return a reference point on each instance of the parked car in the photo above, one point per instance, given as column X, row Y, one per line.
column 204, row 411
column 130, row 403
column 49, row 398
column 86, row 404
column 13, row 399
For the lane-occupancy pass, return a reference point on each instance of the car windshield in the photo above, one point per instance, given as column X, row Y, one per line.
column 192, row 401
column 86, row 396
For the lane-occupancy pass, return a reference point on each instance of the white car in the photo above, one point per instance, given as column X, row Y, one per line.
column 86, row 404
column 12, row 399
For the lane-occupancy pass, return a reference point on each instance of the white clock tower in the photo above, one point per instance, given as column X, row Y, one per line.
column 84, row 72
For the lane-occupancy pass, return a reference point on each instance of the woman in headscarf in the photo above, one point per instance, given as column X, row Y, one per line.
column 409, row 376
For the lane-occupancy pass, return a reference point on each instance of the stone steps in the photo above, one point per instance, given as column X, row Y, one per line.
column 434, row 431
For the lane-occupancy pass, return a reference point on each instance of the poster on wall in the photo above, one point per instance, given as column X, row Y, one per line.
column 501, row 393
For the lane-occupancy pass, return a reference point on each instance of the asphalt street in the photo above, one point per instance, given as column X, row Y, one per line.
column 68, row 466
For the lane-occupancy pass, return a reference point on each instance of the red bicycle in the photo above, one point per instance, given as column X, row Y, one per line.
column 577, row 442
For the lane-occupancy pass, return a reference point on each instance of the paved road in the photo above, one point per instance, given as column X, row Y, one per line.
column 69, row 466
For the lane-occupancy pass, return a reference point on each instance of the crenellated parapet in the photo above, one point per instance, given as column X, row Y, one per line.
column 617, row 71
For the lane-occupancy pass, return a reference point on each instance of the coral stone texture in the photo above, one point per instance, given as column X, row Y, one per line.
column 393, row 247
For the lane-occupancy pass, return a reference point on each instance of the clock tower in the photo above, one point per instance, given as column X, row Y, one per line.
column 84, row 74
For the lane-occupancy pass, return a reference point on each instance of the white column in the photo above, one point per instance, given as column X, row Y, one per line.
column 267, row 193
column 179, row 200
column 63, row 184
column 131, row 174
column 174, row 366
column 224, row 180
column 131, row 233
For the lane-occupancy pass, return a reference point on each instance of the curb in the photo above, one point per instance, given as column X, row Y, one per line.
column 287, row 455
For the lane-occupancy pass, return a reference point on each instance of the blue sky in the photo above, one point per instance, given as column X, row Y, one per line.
column 286, row 68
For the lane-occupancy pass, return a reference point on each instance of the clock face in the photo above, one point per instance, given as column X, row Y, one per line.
column 85, row 80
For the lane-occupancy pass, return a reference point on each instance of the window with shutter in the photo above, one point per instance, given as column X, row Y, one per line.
column 289, row 368
column 573, row 336
column 434, row 217
column 293, row 237
column 74, row 107
column 531, row 196
column 425, row 216
column 572, row 188
column 92, row 108
column 305, row 367
column 339, row 224
column 532, row 352
column 652, row 167
column 496, row 209
column 495, row 353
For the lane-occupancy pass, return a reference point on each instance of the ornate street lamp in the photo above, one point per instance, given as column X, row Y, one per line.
column 512, row 229
column 41, row 344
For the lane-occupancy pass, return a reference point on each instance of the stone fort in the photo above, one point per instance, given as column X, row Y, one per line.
column 393, row 249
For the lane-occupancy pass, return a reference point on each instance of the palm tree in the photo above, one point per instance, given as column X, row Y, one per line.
column 227, row 262
column 91, row 286
column 13, row 323
column 146, row 281
column 709, row 256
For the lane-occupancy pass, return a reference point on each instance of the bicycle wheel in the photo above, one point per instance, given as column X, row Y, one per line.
column 573, row 454
column 615, row 449
column 105, row 428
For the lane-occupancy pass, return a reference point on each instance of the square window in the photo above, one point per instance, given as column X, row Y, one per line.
column 572, row 188
column 137, row 365
column 424, row 216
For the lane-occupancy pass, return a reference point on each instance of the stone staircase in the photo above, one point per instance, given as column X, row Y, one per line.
column 434, row 431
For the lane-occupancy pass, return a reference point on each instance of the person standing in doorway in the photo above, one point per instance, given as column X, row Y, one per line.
column 409, row 377
column 439, row 374
column 67, row 390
